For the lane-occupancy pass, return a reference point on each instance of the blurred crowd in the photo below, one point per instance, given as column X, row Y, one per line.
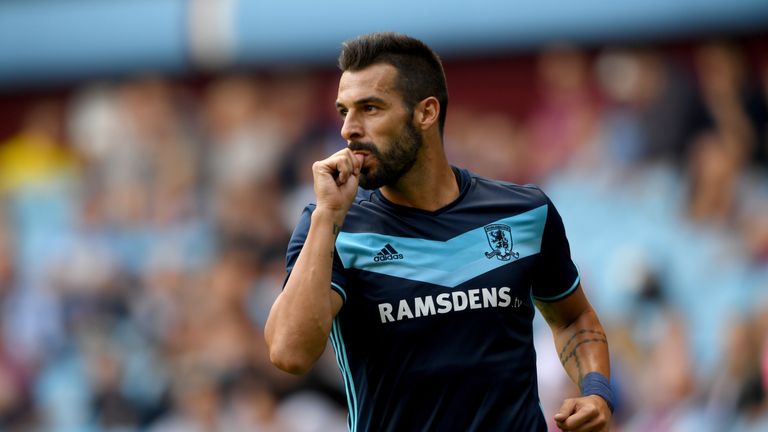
column 143, row 226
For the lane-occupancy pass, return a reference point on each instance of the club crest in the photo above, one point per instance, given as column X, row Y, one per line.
column 500, row 239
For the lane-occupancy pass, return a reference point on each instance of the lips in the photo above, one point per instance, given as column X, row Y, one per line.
column 366, row 150
column 364, row 153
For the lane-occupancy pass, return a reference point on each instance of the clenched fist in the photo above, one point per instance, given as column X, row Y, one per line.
column 335, row 181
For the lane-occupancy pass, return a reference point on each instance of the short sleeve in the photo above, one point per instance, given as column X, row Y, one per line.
column 299, row 236
column 555, row 275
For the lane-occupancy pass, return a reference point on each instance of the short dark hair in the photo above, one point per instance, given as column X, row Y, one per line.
column 419, row 70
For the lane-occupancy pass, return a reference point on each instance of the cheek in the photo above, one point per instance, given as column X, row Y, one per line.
column 390, row 125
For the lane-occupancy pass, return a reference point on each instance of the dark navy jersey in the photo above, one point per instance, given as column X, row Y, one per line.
column 435, row 333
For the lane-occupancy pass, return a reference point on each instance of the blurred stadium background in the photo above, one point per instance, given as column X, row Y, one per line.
column 154, row 157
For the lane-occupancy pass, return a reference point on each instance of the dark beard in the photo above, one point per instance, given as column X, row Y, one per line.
column 394, row 163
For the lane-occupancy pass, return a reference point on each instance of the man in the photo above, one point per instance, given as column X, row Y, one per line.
column 425, row 279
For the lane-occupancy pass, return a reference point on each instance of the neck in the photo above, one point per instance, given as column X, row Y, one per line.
column 429, row 185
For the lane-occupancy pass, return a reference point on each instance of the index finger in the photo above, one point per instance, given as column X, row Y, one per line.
column 582, row 416
column 566, row 409
column 345, row 165
column 357, row 160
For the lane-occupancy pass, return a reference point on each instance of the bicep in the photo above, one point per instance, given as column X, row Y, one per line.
column 565, row 311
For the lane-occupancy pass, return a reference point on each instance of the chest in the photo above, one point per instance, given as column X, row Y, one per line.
column 401, row 281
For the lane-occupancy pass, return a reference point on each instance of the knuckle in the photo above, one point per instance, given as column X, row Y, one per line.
column 320, row 164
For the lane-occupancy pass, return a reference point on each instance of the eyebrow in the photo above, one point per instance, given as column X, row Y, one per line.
column 363, row 101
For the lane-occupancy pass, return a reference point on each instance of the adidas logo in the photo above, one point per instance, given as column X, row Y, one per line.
column 387, row 253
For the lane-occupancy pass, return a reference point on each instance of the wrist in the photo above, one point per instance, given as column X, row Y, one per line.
column 333, row 217
column 595, row 383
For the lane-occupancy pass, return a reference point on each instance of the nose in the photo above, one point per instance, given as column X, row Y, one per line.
column 351, row 130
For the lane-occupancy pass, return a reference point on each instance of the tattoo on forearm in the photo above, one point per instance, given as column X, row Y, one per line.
column 595, row 337
column 597, row 334
column 579, row 372
column 573, row 354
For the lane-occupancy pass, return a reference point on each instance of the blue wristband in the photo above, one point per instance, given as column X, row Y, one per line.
column 595, row 383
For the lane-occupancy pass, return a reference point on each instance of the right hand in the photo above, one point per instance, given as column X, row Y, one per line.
column 336, row 180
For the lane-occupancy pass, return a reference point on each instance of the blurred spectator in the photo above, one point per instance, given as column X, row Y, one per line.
column 251, row 406
column 37, row 153
column 662, row 369
column 564, row 115
column 732, row 103
column 15, row 374
column 738, row 390
column 244, row 132
column 491, row 143
column 713, row 171
column 761, row 114
column 196, row 402
column 649, row 107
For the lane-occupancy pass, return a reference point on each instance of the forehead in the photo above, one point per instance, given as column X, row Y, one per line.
column 374, row 81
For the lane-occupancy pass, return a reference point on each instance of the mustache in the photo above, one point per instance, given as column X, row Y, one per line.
column 366, row 146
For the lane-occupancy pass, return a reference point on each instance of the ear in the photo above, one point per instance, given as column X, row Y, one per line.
column 426, row 113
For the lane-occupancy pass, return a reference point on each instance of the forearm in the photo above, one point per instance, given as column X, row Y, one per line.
column 583, row 350
column 300, row 321
column 582, row 346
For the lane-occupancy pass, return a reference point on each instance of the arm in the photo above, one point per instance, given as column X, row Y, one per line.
column 299, row 322
column 583, row 348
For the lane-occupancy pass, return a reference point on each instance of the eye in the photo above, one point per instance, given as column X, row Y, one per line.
column 342, row 112
column 370, row 108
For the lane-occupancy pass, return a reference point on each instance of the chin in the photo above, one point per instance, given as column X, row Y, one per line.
column 368, row 182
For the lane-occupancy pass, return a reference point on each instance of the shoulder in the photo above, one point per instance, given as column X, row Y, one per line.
column 492, row 189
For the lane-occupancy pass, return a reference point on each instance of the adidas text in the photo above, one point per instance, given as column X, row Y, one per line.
column 387, row 253
column 379, row 258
